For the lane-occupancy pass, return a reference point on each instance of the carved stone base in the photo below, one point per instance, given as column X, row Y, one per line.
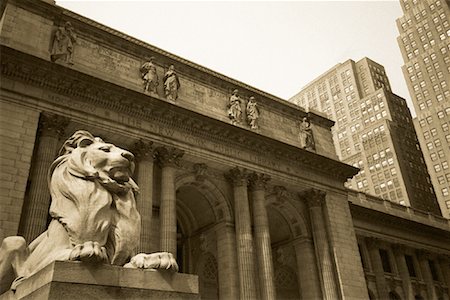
column 76, row 280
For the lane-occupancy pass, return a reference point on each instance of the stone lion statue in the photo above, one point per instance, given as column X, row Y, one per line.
column 93, row 211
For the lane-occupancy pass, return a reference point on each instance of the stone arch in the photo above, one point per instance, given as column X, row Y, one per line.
column 291, row 214
column 219, row 204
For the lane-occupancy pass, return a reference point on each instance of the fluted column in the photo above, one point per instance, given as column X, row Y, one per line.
column 34, row 216
column 227, row 262
column 168, row 158
column 308, row 276
column 315, row 200
column 444, row 264
column 377, row 268
column 238, row 178
column 262, row 236
column 399, row 253
column 144, row 154
column 423, row 256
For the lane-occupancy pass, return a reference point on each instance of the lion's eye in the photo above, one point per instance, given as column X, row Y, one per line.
column 105, row 149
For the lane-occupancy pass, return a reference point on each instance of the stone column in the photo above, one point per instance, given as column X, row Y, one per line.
column 262, row 236
column 238, row 178
column 35, row 211
column 308, row 276
column 377, row 268
column 144, row 154
column 423, row 256
column 227, row 262
column 315, row 199
column 399, row 253
column 168, row 158
column 444, row 264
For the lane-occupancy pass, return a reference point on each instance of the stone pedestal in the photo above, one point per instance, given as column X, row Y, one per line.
column 76, row 280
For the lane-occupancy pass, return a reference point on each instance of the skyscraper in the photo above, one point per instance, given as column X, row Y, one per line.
column 425, row 45
column 373, row 131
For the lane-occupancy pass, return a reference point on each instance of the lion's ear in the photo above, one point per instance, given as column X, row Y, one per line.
column 85, row 142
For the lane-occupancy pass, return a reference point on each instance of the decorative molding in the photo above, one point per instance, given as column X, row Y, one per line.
column 82, row 87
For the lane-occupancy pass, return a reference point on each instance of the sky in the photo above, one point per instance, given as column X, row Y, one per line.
column 278, row 47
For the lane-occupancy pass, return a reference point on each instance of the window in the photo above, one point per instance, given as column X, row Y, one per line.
column 440, row 114
column 444, row 165
column 410, row 264
column 445, row 127
column 437, row 142
column 385, row 261
column 437, row 168
column 441, row 179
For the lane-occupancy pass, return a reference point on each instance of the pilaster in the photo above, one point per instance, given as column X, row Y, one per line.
column 423, row 257
column 307, row 269
column 315, row 199
column 399, row 253
column 377, row 267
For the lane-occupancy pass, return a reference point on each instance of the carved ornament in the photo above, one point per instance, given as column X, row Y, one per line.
column 313, row 197
column 143, row 150
column 258, row 181
column 237, row 176
column 52, row 125
column 201, row 171
column 169, row 156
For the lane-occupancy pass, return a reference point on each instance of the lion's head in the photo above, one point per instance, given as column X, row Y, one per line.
column 91, row 158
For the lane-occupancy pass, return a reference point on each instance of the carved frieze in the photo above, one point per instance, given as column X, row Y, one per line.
column 86, row 91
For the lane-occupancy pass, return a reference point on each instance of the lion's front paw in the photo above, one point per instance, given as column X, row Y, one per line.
column 158, row 260
column 89, row 252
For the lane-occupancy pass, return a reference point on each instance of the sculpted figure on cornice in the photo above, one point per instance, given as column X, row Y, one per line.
column 234, row 107
column 149, row 76
column 171, row 84
column 93, row 211
column 306, row 135
column 63, row 44
column 252, row 113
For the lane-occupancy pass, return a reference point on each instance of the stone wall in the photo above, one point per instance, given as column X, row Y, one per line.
column 18, row 125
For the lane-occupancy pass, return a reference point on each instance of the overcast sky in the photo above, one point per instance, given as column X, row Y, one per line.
column 277, row 47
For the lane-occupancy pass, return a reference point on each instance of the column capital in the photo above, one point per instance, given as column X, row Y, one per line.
column 143, row 150
column 169, row 156
column 372, row 242
column 313, row 197
column 423, row 254
column 399, row 248
column 237, row 176
column 258, row 181
column 52, row 125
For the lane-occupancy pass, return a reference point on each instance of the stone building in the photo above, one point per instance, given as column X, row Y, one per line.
column 239, row 198
column 374, row 131
column 425, row 45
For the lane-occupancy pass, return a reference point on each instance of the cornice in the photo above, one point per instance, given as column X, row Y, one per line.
column 106, row 35
column 59, row 79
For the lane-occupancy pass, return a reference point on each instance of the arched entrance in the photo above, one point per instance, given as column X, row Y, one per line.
column 200, row 206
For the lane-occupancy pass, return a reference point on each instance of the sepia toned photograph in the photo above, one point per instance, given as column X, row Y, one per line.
column 225, row 149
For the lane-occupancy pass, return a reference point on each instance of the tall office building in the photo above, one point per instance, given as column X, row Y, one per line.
column 425, row 45
column 373, row 131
